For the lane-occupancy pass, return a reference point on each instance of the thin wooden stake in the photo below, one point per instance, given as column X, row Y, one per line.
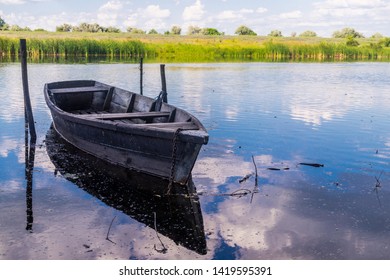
column 26, row 93
column 163, row 83
column 141, row 69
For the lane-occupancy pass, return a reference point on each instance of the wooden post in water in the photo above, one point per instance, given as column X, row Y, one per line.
column 141, row 69
column 164, row 83
column 27, row 102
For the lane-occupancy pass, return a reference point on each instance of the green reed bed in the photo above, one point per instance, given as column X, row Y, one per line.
column 192, row 48
column 39, row 48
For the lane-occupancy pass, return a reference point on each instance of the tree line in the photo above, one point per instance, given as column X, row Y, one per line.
column 349, row 33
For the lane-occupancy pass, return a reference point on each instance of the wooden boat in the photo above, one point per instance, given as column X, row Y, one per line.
column 178, row 216
column 125, row 128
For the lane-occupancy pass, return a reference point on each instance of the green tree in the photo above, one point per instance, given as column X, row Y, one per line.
column 2, row 23
column 210, row 31
column 194, row 30
column 244, row 30
column 64, row 28
column 377, row 36
column 352, row 42
column 275, row 33
column 347, row 33
column 15, row 27
column 176, row 30
column 308, row 33
column 89, row 27
column 112, row 29
column 385, row 42
column 153, row 31
column 134, row 30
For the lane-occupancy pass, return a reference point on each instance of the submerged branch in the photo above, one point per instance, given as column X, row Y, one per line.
column 164, row 249
column 108, row 232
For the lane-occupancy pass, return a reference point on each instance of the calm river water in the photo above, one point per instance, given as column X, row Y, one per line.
column 265, row 116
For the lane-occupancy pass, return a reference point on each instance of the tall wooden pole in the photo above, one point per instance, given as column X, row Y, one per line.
column 26, row 93
column 163, row 83
column 141, row 69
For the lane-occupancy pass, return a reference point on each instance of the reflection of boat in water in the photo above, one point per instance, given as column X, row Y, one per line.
column 178, row 215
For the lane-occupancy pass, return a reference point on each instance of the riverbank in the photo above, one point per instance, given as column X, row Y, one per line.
column 125, row 46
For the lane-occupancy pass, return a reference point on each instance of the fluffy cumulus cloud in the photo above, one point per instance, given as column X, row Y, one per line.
column 368, row 16
column 154, row 11
column 194, row 12
column 291, row 15
column 350, row 8
column 108, row 13
column 234, row 15
column 154, row 17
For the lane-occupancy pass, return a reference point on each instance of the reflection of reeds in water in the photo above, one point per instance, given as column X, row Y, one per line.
column 194, row 49
column 178, row 216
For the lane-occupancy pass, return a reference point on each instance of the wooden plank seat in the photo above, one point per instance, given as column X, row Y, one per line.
column 79, row 89
column 135, row 115
column 173, row 125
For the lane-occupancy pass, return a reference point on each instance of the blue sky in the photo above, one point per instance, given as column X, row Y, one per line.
column 322, row 16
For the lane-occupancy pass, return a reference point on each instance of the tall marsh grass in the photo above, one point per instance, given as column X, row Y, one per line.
column 190, row 48
column 39, row 48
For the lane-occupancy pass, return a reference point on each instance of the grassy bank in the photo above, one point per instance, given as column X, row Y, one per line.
column 122, row 46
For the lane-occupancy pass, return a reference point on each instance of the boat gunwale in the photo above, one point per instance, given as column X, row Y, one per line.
column 198, row 136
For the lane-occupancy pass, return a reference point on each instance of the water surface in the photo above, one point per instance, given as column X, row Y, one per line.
column 268, row 117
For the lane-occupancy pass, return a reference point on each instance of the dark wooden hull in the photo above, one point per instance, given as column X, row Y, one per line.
column 126, row 129
column 177, row 216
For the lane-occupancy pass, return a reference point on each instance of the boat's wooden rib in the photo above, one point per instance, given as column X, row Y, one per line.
column 79, row 89
column 137, row 115
column 174, row 125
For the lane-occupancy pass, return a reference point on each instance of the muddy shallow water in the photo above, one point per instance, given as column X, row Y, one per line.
column 262, row 117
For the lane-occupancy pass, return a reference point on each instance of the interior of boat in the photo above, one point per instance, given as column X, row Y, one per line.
column 117, row 105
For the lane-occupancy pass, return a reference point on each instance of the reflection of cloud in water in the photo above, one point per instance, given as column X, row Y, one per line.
column 330, row 101
column 217, row 170
column 232, row 113
column 314, row 116
column 6, row 146
column 11, row 186
column 293, row 217
column 243, row 225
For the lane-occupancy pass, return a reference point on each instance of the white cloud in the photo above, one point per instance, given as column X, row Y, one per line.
column 261, row 10
column 234, row 15
column 12, row 2
column 151, row 17
column 352, row 4
column 154, row 11
column 194, row 12
column 111, row 6
column 109, row 12
column 291, row 15
column 228, row 15
column 131, row 20
column 349, row 8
